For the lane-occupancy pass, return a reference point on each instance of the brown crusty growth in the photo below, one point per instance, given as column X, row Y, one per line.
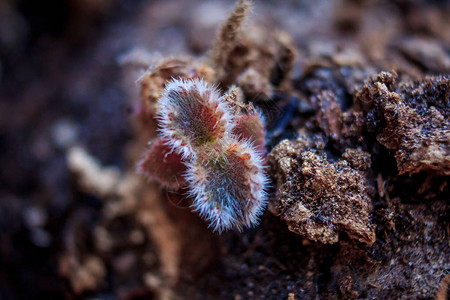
column 318, row 198
column 414, row 120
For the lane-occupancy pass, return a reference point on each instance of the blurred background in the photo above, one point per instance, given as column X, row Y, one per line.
column 68, row 76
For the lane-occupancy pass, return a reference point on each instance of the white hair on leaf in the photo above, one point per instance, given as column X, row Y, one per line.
column 225, row 172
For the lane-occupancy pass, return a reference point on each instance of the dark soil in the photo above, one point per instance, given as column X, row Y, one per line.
column 366, row 103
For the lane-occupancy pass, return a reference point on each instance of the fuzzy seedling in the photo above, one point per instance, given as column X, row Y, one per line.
column 228, row 190
column 250, row 127
column 162, row 164
column 192, row 117
column 221, row 148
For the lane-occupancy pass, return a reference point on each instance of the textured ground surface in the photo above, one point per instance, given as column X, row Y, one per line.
column 374, row 141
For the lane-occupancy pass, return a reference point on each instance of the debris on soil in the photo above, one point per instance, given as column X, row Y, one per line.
column 318, row 198
column 228, row 36
column 414, row 118
column 92, row 177
column 83, row 276
column 129, row 198
column 257, row 59
column 415, row 238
